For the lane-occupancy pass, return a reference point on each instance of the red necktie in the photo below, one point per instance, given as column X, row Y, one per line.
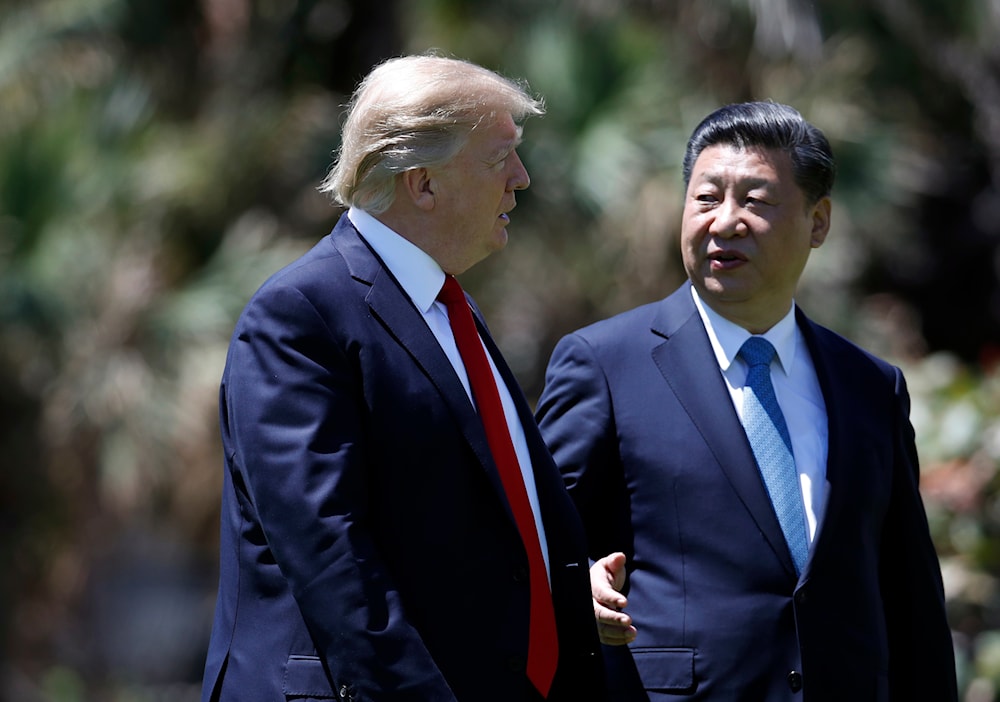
column 543, row 644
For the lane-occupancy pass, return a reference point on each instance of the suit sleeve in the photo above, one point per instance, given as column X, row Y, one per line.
column 576, row 416
column 294, row 412
column 922, row 663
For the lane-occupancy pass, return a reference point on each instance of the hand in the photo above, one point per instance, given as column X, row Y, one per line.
column 607, row 577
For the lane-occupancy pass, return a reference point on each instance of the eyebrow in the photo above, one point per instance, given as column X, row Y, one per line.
column 748, row 182
column 507, row 147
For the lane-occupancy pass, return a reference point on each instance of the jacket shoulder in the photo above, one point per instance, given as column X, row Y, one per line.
column 844, row 352
column 614, row 328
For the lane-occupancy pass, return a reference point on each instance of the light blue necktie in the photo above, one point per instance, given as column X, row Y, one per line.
column 772, row 447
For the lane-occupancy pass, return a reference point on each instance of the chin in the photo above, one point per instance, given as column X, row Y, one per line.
column 501, row 240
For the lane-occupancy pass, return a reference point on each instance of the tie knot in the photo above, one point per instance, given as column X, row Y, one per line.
column 451, row 291
column 757, row 351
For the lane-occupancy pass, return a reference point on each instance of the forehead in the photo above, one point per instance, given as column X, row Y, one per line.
column 495, row 133
column 728, row 163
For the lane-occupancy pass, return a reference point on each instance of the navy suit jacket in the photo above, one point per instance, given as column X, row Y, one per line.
column 639, row 420
column 368, row 551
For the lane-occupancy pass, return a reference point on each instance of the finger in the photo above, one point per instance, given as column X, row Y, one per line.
column 606, row 616
column 615, row 638
column 608, row 597
column 615, row 635
column 607, row 576
column 616, row 569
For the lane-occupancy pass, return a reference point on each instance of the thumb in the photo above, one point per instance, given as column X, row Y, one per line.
column 615, row 566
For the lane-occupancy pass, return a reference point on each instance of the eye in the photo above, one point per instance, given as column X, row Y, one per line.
column 499, row 159
column 757, row 201
column 496, row 163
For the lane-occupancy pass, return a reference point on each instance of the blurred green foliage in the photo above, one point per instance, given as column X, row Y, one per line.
column 159, row 158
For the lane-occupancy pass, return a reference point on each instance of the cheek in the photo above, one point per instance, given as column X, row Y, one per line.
column 692, row 234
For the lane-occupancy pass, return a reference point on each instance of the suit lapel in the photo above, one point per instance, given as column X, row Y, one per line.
column 553, row 500
column 840, row 409
column 539, row 453
column 395, row 311
column 685, row 357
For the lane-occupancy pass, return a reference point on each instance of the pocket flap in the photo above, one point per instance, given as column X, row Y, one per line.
column 305, row 676
column 665, row 669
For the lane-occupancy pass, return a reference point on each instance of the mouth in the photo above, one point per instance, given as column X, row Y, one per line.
column 505, row 215
column 726, row 259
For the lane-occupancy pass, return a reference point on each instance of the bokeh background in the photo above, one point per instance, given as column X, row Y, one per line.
column 159, row 158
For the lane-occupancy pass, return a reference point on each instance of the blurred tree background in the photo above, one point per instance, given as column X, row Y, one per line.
column 159, row 158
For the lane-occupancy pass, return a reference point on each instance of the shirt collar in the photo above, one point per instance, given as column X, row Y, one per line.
column 727, row 337
column 418, row 274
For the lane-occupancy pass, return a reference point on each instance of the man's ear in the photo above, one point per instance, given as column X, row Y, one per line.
column 820, row 214
column 419, row 187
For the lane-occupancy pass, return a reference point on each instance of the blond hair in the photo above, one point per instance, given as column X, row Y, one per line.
column 415, row 112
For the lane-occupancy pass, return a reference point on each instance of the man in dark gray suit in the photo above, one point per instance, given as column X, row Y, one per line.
column 372, row 548
column 748, row 479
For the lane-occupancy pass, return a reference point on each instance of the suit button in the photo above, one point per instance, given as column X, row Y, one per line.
column 520, row 574
column 795, row 681
column 800, row 597
column 516, row 664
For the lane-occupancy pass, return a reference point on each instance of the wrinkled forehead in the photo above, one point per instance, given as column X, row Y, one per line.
column 746, row 162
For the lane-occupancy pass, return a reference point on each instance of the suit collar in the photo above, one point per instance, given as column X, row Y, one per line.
column 686, row 360
column 362, row 262
column 727, row 338
column 418, row 274
column 673, row 312
column 391, row 307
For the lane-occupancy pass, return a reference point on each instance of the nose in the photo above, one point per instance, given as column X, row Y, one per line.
column 726, row 220
column 519, row 178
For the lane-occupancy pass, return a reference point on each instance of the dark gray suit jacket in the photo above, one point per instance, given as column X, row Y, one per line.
column 368, row 550
column 642, row 426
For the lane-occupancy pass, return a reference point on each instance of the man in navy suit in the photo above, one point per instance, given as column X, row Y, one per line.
column 369, row 549
column 643, row 413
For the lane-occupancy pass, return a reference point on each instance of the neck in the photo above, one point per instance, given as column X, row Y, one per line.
column 755, row 319
column 422, row 233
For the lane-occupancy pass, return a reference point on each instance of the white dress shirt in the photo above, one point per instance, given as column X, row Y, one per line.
column 421, row 279
column 797, row 389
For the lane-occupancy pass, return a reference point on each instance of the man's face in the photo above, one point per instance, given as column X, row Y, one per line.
column 475, row 191
column 746, row 233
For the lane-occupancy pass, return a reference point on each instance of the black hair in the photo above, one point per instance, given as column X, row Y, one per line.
column 768, row 125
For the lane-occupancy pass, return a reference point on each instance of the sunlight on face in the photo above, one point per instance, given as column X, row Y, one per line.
column 475, row 191
column 747, row 232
